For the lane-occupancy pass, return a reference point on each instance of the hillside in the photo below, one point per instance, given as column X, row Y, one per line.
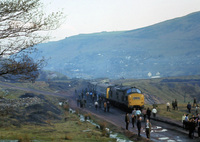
column 169, row 48
column 184, row 89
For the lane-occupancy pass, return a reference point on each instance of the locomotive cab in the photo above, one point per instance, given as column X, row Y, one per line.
column 135, row 98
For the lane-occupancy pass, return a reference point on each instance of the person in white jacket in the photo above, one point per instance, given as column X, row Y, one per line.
column 154, row 111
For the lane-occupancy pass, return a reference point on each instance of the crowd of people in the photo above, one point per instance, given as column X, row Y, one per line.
column 190, row 123
column 136, row 118
column 90, row 97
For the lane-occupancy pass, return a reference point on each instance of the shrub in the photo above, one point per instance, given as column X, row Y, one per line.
column 102, row 125
column 24, row 138
column 67, row 137
column 89, row 135
column 105, row 133
column 66, row 107
column 77, row 111
column 87, row 116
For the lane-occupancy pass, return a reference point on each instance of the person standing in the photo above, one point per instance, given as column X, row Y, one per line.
column 192, row 126
column 148, row 128
column 176, row 104
column 154, row 111
column 139, row 119
column 77, row 101
column 189, row 107
column 198, row 125
column 100, row 100
column 81, row 103
column 108, row 106
column 168, row 106
column 93, row 97
column 197, row 110
column 183, row 120
column 96, row 104
column 173, row 105
column 155, row 105
column 195, row 102
column 144, row 112
column 148, row 113
column 138, row 112
column 133, row 120
column 87, row 95
column 186, row 122
column 127, row 120
column 105, row 105
column 134, row 112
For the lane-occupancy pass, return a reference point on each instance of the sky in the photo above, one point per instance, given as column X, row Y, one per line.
column 91, row 16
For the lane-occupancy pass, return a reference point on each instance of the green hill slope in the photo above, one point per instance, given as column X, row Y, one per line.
column 184, row 89
column 171, row 48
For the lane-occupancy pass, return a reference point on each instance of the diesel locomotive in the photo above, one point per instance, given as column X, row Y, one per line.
column 124, row 97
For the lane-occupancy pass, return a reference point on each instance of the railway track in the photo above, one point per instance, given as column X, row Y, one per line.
column 161, row 131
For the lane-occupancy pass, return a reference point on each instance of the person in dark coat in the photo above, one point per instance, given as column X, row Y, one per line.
column 148, row 113
column 105, row 106
column 148, row 128
column 198, row 125
column 173, row 105
column 108, row 106
column 189, row 107
column 176, row 104
column 192, row 126
column 100, row 100
column 139, row 121
column 127, row 120
column 77, row 101
column 144, row 113
column 82, row 95
column 195, row 102
column 133, row 120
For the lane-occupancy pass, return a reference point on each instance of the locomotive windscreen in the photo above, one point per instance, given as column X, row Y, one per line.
column 133, row 90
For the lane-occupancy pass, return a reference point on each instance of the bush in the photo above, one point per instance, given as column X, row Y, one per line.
column 24, row 138
column 67, row 137
column 105, row 133
column 66, row 107
column 87, row 116
column 102, row 125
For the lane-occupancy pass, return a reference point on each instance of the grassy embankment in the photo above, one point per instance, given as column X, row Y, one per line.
column 11, row 93
column 184, row 89
column 72, row 130
column 173, row 114
column 68, row 127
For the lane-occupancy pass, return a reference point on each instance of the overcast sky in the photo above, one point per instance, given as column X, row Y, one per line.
column 89, row 16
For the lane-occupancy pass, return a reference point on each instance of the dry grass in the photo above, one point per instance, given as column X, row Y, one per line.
column 174, row 114
column 71, row 130
column 68, row 137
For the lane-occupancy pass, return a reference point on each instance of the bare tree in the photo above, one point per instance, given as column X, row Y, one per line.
column 22, row 25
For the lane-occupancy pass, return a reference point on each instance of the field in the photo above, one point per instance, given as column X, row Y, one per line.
column 28, row 116
column 72, row 130
column 173, row 114
column 184, row 89
column 163, row 90
column 45, row 120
